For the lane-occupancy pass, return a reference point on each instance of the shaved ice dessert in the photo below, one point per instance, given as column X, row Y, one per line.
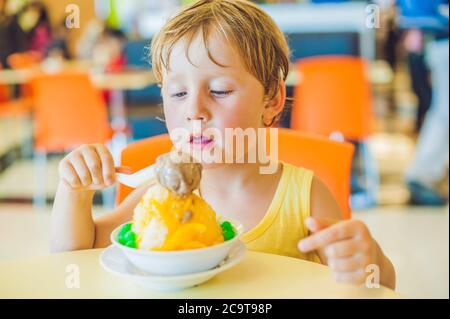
column 170, row 216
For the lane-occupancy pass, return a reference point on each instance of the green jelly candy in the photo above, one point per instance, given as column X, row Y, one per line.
column 228, row 234
column 130, row 244
column 125, row 228
column 226, row 225
column 122, row 239
column 130, row 236
column 122, row 233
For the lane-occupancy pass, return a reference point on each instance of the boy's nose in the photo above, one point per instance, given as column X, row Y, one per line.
column 197, row 110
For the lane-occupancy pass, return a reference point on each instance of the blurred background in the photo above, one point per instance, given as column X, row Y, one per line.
column 373, row 73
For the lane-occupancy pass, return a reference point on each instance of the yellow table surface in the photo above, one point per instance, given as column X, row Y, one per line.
column 258, row 275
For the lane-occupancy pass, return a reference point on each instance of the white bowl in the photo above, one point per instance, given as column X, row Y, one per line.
column 180, row 262
column 114, row 261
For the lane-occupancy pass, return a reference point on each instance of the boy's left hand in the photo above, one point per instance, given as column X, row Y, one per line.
column 347, row 246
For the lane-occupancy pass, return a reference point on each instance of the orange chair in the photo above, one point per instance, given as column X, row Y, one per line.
column 310, row 151
column 141, row 154
column 68, row 111
column 328, row 159
column 333, row 96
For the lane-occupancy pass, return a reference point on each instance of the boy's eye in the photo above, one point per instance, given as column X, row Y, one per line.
column 221, row 93
column 178, row 95
column 217, row 93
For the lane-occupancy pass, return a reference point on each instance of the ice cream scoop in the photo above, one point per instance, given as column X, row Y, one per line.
column 181, row 176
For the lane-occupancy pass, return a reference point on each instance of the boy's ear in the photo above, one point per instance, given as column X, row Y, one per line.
column 275, row 105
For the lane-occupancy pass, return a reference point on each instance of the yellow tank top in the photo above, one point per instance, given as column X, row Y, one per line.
column 283, row 225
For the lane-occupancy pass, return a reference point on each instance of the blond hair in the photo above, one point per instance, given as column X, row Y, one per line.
column 259, row 42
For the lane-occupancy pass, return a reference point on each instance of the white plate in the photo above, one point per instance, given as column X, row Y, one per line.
column 114, row 261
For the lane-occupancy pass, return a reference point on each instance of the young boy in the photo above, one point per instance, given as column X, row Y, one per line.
column 223, row 64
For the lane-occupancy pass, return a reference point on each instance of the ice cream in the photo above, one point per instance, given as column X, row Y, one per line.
column 181, row 177
column 170, row 216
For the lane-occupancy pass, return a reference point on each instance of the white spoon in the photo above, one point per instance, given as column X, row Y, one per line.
column 135, row 179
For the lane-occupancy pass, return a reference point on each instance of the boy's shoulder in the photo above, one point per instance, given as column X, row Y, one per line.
column 296, row 182
column 296, row 173
column 302, row 181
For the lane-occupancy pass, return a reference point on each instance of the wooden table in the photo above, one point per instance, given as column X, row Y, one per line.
column 379, row 73
column 130, row 79
column 259, row 275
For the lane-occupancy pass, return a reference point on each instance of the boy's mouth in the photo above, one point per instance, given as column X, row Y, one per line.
column 200, row 141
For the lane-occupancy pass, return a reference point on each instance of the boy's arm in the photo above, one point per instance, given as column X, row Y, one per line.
column 73, row 227
column 83, row 171
column 346, row 246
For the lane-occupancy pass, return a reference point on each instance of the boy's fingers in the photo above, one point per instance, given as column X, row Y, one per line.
column 351, row 263
column 109, row 174
column 346, row 248
column 343, row 248
column 315, row 224
column 356, row 277
column 69, row 175
column 94, row 164
column 82, row 170
column 327, row 236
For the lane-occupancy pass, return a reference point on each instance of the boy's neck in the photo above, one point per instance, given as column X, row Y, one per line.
column 227, row 178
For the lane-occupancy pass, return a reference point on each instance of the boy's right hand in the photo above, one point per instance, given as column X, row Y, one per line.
column 88, row 168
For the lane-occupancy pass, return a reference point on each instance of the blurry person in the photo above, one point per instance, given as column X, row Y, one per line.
column 430, row 163
column 427, row 42
column 422, row 22
column 388, row 34
column 112, row 43
column 89, row 37
column 108, row 54
column 13, row 38
column 413, row 43
column 35, row 22
column 103, row 45
column 58, row 48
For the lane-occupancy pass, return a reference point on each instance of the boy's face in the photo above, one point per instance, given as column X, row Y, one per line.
column 204, row 92
column 216, row 96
